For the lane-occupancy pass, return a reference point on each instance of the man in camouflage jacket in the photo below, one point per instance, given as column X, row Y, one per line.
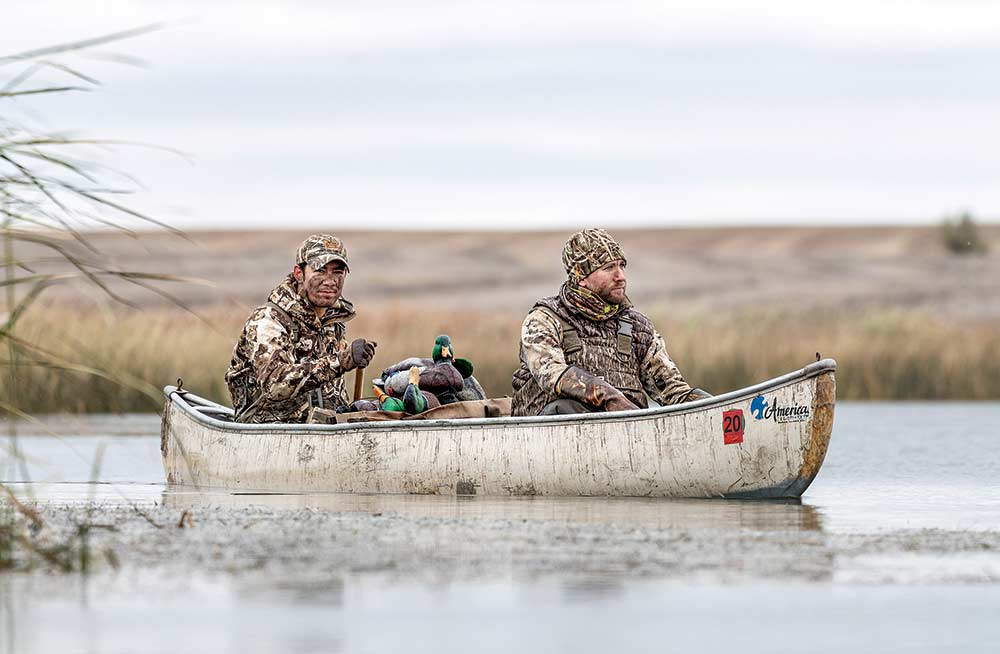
column 292, row 355
column 587, row 349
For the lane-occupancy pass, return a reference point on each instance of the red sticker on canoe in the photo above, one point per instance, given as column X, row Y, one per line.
column 732, row 426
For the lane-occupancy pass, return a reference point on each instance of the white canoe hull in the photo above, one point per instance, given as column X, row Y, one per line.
column 734, row 445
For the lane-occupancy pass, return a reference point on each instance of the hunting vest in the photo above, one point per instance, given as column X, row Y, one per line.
column 612, row 349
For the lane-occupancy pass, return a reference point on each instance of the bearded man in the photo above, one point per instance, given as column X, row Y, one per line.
column 292, row 355
column 586, row 349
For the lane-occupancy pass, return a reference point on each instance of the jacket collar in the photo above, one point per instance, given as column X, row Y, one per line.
column 286, row 295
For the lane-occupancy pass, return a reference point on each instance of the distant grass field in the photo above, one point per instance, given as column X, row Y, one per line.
column 894, row 354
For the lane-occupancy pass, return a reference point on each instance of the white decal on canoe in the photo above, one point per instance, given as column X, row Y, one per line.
column 764, row 410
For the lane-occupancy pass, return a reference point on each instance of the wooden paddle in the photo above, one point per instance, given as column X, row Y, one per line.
column 359, row 376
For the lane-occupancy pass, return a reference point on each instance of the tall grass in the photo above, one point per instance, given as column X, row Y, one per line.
column 52, row 192
column 886, row 355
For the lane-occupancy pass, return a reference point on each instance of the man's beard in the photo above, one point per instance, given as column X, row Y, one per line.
column 614, row 295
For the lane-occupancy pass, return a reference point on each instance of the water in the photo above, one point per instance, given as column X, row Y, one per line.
column 925, row 478
column 889, row 466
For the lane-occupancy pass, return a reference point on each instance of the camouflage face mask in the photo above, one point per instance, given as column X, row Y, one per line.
column 589, row 305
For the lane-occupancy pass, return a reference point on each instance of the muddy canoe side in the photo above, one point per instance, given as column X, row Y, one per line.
column 766, row 441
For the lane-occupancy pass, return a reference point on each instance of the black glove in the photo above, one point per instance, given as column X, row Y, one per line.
column 357, row 355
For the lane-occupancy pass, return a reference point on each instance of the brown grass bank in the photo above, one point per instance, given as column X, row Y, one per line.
column 892, row 354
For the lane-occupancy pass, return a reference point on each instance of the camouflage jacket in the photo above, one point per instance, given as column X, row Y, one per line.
column 638, row 365
column 286, row 359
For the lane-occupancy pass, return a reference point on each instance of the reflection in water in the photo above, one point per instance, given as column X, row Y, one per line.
column 22, row 595
column 7, row 617
column 757, row 515
column 315, row 592
column 590, row 589
column 537, row 616
column 44, row 618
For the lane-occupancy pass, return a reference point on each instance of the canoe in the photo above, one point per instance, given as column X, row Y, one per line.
column 765, row 441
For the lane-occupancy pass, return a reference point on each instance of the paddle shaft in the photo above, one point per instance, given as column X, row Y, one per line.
column 359, row 376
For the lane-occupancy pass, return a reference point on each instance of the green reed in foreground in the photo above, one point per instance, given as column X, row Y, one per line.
column 885, row 355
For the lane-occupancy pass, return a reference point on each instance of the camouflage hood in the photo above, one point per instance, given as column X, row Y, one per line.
column 286, row 296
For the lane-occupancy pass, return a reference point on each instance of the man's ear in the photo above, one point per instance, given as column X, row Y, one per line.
column 297, row 271
column 584, row 284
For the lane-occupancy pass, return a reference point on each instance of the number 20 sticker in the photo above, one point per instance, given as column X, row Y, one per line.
column 732, row 426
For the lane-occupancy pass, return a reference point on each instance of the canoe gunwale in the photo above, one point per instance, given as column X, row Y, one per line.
column 180, row 401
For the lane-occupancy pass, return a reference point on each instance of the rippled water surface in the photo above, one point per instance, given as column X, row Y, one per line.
column 928, row 471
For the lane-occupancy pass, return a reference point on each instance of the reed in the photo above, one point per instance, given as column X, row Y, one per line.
column 53, row 189
column 888, row 355
column 51, row 193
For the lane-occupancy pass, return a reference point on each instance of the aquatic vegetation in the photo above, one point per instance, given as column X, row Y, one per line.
column 21, row 549
column 26, row 540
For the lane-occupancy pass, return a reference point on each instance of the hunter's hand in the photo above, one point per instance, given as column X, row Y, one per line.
column 601, row 393
column 619, row 403
column 696, row 394
column 578, row 384
column 357, row 355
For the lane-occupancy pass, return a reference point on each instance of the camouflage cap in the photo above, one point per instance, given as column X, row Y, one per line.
column 588, row 250
column 319, row 250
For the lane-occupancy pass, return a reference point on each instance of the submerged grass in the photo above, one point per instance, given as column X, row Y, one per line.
column 881, row 355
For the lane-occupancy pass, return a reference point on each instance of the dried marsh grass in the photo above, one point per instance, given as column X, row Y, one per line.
column 882, row 355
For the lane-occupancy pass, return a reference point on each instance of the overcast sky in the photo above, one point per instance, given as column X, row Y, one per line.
column 541, row 114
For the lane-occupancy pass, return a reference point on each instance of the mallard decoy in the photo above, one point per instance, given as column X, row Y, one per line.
column 471, row 389
column 437, row 375
column 432, row 400
column 387, row 403
column 413, row 399
column 359, row 405
column 405, row 365
column 396, row 377
column 464, row 367
column 396, row 383
column 443, row 350
column 443, row 377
